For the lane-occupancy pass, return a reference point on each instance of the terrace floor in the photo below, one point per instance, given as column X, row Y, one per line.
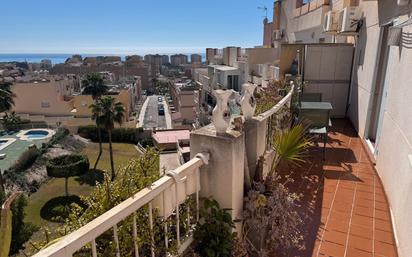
column 350, row 213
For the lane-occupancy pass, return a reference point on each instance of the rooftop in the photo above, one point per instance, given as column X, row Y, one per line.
column 170, row 136
column 223, row 67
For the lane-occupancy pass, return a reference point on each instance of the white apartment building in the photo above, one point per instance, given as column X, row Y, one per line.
column 380, row 84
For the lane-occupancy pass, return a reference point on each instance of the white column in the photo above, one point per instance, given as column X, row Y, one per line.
column 223, row 177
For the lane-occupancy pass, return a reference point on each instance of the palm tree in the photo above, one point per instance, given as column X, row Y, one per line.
column 108, row 112
column 94, row 85
column 6, row 97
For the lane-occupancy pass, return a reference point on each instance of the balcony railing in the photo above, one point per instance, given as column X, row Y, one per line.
column 182, row 182
column 170, row 191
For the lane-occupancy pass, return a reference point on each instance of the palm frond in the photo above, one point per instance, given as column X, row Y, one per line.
column 291, row 145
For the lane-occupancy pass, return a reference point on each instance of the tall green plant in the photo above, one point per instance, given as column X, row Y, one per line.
column 94, row 85
column 11, row 121
column 214, row 236
column 6, row 97
column 110, row 112
column 290, row 146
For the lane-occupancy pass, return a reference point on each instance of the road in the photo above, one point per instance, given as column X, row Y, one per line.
column 152, row 117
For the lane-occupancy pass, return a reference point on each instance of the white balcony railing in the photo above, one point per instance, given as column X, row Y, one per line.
column 182, row 182
column 167, row 193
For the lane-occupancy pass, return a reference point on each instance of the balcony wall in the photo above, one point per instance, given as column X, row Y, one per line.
column 393, row 147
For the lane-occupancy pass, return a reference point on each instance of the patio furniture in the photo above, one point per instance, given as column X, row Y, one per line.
column 317, row 114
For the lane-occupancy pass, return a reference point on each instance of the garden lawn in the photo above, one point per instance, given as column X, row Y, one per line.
column 122, row 154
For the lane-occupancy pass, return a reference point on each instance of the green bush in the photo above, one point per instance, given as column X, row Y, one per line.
column 26, row 159
column 213, row 236
column 67, row 166
column 60, row 134
column 119, row 135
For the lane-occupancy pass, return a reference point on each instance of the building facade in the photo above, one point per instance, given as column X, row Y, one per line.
column 178, row 59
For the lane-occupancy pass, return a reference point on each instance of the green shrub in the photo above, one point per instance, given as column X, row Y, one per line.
column 67, row 166
column 26, row 159
column 60, row 134
column 214, row 236
column 119, row 135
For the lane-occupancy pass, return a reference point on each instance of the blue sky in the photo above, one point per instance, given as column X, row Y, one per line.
column 129, row 26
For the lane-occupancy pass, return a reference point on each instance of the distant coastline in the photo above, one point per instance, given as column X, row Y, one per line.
column 57, row 58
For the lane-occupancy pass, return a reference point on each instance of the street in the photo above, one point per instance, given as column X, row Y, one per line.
column 152, row 117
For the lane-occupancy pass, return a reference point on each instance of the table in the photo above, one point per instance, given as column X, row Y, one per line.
column 317, row 113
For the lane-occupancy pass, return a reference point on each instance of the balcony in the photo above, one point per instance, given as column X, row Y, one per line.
column 310, row 15
column 350, row 213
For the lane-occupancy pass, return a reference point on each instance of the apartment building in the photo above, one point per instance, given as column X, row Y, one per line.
column 122, row 70
column 378, row 104
column 185, row 97
column 45, row 97
column 178, row 59
column 59, row 100
column 156, row 61
column 195, row 58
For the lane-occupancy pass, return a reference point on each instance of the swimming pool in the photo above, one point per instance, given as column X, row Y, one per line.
column 35, row 134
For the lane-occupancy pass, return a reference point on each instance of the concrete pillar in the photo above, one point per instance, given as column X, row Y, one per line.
column 223, row 177
column 255, row 142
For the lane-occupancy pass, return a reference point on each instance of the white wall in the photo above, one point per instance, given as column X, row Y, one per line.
column 395, row 140
column 393, row 164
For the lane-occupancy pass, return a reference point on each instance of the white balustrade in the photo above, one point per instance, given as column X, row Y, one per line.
column 184, row 181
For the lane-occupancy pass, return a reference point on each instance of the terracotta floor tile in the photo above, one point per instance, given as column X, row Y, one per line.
column 364, row 202
column 363, row 211
column 331, row 249
column 338, row 225
column 353, row 212
column 384, row 237
column 365, row 195
column 360, row 243
column 362, row 221
column 380, row 198
column 346, row 185
column 361, row 231
column 365, row 188
column 342, row 206
column 335, row 237
column 382, row 215
column 385, row 249
column 340, row 215
column 381, row 206
column 383, row 225
column 352, row 252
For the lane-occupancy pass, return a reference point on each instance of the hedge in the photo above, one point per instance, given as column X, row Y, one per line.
column 119, row 135
column 67, row 166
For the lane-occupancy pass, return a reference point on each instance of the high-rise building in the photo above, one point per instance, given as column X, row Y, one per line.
column 178, row 59
column 195, row 58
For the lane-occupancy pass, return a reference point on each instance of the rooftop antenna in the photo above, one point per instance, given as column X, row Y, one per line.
column 265, row 9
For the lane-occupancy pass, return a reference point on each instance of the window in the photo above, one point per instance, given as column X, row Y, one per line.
column 45, row 104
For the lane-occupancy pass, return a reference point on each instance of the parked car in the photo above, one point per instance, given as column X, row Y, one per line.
column 161, row 109
column 160, row 99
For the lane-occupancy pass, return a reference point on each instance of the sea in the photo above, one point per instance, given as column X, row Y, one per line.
column 58, row 58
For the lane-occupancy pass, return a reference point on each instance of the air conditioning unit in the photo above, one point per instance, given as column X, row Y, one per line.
column 330, row 23
column 277, row 35
column 349, row 19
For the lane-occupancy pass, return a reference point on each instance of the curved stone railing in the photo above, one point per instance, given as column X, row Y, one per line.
column 182, row 182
